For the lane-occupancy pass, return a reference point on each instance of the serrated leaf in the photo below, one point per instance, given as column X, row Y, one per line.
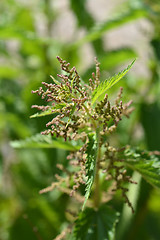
column 95, row 225
column 146, row 164
column 111, row 60
column 101, row 90
column 90, row 165
column 44, row 141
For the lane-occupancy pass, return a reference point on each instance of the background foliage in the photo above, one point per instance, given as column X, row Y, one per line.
column 32, row 34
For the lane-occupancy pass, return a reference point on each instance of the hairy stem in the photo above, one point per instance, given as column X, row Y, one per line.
column 97, row 186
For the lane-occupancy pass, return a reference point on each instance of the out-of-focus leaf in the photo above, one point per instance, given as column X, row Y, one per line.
column 31, row 216
column 44, row 141
column 95, row 225
column 111, row 60
column 8, row 72
column 98, row 30
column 156, row 47
column 85, row 19
column 146, row 164
column 14, row 123
column 1, row 166
column 20, row 19
column 150, row 116
column 127, row 215
column 13, row 32
column 10, row 32
column 116, row 57
column 101, row 90
column 83, row 16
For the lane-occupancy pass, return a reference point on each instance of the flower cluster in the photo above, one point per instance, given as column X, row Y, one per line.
column 74, row 117
column 67, row 99
column 116, row 171
column 71, row 102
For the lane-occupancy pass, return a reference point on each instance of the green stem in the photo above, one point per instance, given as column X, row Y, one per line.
column 87, row 111
column 97, row 184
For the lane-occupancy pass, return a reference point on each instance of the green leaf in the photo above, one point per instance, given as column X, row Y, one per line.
column 10, row 31
column 9, row 72
column 126, row 213
column 90, row 165
column 101, row 90
column 146, row 164
column 43, row 113
column 84, row 18
column 1, row 167
column 95, row 225
column 150, row 115
column 44, row 141
column 100, row 29
column 111, row 60
column 50, row 111
column 15, row 123
column 56, row 82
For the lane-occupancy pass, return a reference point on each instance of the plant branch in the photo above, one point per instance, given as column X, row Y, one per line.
column 87, row 111
column 97, row 187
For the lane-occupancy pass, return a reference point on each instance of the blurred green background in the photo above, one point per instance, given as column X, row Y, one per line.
column 32, row 34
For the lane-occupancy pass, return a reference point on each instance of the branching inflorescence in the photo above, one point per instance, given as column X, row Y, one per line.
column 83, row 119
column 76, row 117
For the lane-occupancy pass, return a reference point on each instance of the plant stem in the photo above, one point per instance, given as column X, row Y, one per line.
column 97, row 189
column 87, row 111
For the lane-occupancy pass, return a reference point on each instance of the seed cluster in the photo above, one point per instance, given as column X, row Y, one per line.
column 67, row 98
column 115, row 171
column 74, row 117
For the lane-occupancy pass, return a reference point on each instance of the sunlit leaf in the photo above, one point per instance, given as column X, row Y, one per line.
column 101, row 90
column 43, row 113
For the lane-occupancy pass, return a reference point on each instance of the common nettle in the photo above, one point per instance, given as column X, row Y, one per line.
column 83, row 116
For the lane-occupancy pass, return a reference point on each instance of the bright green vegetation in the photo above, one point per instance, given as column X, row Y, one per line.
column 33, row 203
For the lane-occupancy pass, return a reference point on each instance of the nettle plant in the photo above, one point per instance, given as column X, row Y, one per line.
column 83, row 119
